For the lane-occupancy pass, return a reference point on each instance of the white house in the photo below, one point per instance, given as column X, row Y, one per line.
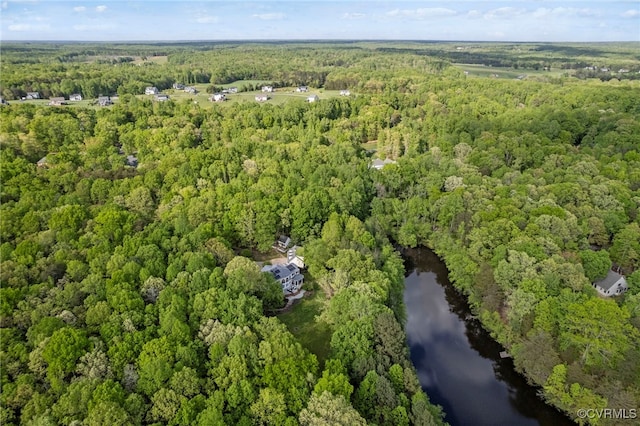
column 267, row 89
column 57, row 101
column 33, row 95
column 294, row 256
column 302, row 89
column 283, row 243
column 217, row 97
column 178, row 86
column 151, row 91
column 161, row 97
column 190, row 89
column 313, row 98
column 345, row 93
column 288, row 276
column 104, row 101
column 613, row 284
column 379, row 164
column 75, row 97
column 262, row 98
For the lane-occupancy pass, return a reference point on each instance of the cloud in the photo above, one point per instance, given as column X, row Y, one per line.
column 268, row 16
column 631, row 13
column 207, row 19
column 352, row 16
column 101, row 8
column 474, row 14
column 504, row 13
column 5, row 4
column 79, row 9
column 564, row 12
column 28, row 27
column 422, row 13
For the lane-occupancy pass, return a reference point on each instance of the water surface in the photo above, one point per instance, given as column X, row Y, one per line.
column 458, row 363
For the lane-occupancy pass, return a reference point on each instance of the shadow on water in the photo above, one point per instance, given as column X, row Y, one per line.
column 458, row 362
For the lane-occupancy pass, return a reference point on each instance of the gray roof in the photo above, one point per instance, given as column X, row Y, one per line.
column 281, row 272
column 608, row 281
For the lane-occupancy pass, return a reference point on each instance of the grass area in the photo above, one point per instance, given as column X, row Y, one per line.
column 302, row 323
column 154, row 59
column 370, row 145
column 475, row 70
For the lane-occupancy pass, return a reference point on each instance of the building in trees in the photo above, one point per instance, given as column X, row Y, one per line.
column 75, row 97
column 33, row 95
column 218, row 97
column 379, row 164
column 345, row 92
column 288, row 276
column 613, row 284
column 57, row 101
column 294, row 255
column 313, row 98
column 283, row 243
column 262, row 98
column 151, row 90
column 104, row 101
column 267, row 89
column 302, row 89
column 161, row 97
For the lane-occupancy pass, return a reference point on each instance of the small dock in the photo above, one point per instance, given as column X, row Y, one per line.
column 505, row 354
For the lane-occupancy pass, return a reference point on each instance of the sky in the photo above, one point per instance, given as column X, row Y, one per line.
column 163, row 20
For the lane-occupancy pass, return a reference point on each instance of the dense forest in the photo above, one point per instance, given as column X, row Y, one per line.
column 129, row 294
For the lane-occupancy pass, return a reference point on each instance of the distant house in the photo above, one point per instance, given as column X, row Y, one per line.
column 33, row 95
column 233, row 89
column 132, row 160
column 262, row 98
column 288, row 276
column 104, row 101
column 283, row 243
column 190, row 89
column 42, row 162
column 613, row 284
column 313, row 98
column 302, row 89
column 294, row 256
column 218, row 97
column 75, row 97
column 345, row 93
column 379, row 164
column 151, row 91
column 161, row 97
column 267, row 89
column 57, row 101
column 178, row 86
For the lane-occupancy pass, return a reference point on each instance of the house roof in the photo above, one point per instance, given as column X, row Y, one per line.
column 608, row 281
column 284, row 239
column 281, row 272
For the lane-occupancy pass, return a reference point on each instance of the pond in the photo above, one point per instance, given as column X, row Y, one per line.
column 458, row 363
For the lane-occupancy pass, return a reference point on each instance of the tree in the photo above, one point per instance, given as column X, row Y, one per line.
column 599, row 330
column 327, row 408
column 625, row 250
column 596, row 264
column 61, row 353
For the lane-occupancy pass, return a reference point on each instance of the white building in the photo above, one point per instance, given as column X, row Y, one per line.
column 288, row 276
column 267, row 89
column 313, row 98
column 613, row 284
column 151, row 90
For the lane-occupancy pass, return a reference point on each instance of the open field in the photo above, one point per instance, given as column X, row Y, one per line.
column 476, row 70
column 302, row 323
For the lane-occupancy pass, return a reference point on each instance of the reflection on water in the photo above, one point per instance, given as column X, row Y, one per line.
column 458, row 363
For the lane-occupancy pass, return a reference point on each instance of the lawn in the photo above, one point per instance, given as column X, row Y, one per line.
column 301, row 321
column 476, row 70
